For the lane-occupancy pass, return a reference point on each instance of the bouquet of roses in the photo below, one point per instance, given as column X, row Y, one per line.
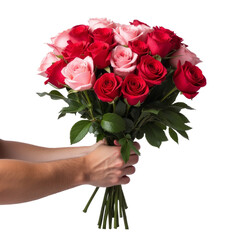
column 123, row 81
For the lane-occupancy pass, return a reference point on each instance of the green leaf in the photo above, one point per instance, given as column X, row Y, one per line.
column 183, row 134
column 161, row 125
column 112, row 123
column 157, row 57
column 79, row 131
column 126, row 146
column 159, row 91
column 60, row 56
column 54, row 94
column 154, row 134
column 182, row 105
column 139, row 134
column 120, row 108
column 107, row 69
column 135, row 113
column 151, row 110
column 100, row 137
column 173, row 135
column 61, row 115
column 173, row 120
column 125, row 149
column 134, row 148
column 129, row 125
column 184, row 118
column 73, row 109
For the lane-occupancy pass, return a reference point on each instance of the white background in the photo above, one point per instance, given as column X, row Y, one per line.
column 191, row 191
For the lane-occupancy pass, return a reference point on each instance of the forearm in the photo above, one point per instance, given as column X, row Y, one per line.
column 22, row 181
column 28, row 152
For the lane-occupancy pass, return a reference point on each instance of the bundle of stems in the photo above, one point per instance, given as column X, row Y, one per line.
column 113, row 207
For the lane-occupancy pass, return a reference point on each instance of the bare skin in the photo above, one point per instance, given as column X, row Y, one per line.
column 29, row 172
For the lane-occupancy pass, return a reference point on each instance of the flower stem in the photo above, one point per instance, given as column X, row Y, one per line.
column 169, row 93
column 116, row 218
column 114, row 106
column 90, row 200
column 102, row 209
column 89, row 104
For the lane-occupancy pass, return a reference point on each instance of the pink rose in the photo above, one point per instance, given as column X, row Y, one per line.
column 46, row 63
column 79, row 74
column 123, row 61
column 60, row 42
column 127, row 33
column 95, row 23
column 183, row 54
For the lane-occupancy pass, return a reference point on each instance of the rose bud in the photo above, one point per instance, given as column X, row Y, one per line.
column 188, row 79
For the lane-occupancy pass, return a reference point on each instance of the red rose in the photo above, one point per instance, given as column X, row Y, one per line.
column 162, row 41
column 134, row 89
column 100, row 54
column 188, row 79
column 74, row 50
column 139, row 47
column 137, row 22
column 104, row 35
column 80, row 33
column 55, row 77
column 151, row 70
column 107, row 87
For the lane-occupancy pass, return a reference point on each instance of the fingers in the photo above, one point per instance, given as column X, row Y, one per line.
column 128, row 171
column 124, row 180
column 132, row 161
column 120, row 164
column 136, row 144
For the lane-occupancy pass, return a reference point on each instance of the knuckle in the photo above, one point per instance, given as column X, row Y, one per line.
column 118, row 173
column 120, row 163
column 115, row 181
column 117, row 153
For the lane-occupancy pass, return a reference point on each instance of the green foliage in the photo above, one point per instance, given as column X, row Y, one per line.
column 126, row 147
column 120, row 108
column 155, row 135
column 173, row 135
column 79, row 131
column 54, row 94
column 74, row 102
column 113, row 123
column 124, row 122
column 173, row 120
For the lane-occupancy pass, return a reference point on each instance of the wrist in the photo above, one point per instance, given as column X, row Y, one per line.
column 67, row 173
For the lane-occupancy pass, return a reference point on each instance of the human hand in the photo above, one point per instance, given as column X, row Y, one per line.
column 104, row 166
